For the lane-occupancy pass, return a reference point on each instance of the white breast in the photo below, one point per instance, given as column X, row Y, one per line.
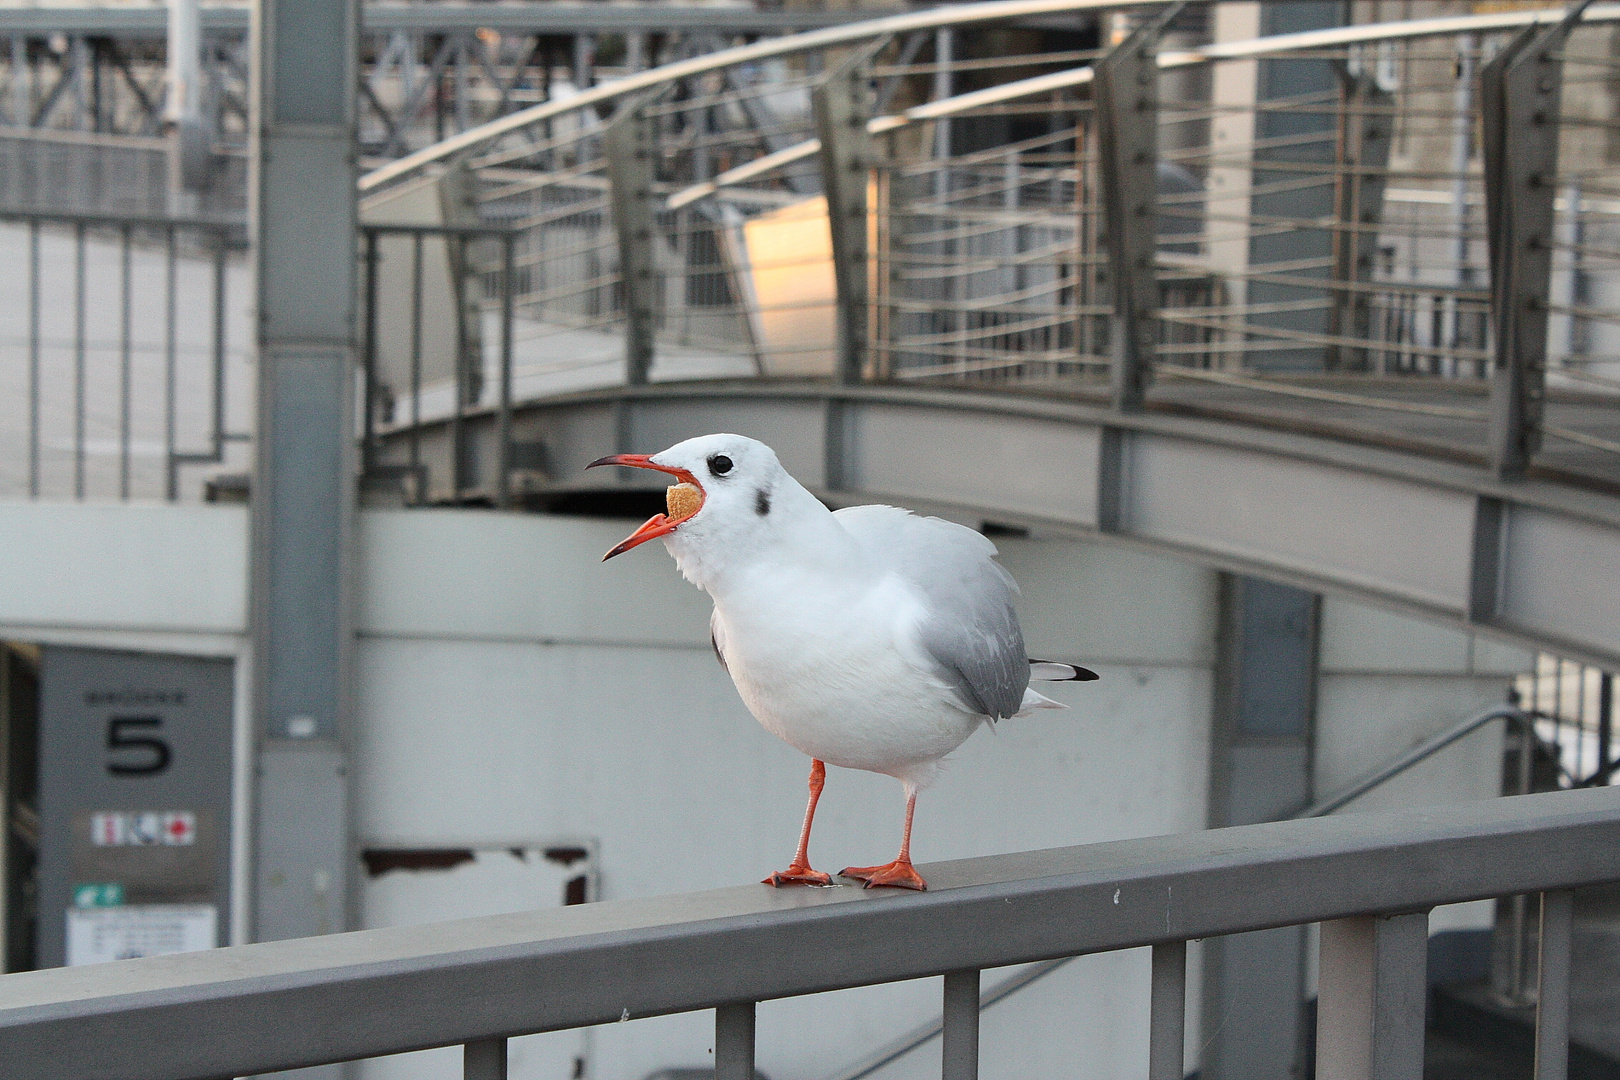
column 834, row 670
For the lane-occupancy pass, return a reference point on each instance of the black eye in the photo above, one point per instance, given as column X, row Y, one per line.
column 719, row 464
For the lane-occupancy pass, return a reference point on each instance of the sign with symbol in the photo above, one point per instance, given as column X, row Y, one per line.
column 137, row 829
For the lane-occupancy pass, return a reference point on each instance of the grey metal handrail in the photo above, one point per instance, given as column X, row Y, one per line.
column 287, row 1004
column 1401, row 762
column 930, row 1029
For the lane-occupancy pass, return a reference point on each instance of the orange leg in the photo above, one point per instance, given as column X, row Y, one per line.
column 900, row 873
column 800, row 873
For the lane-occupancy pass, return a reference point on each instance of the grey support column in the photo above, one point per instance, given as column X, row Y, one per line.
column 842, row 107
column 1260, row 770
column 303, row 214
column 1373, row 986
column 1126, row 89
column 1521, row 94
column 630, row 147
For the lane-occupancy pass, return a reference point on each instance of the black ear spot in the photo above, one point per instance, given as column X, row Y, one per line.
column 762, row 502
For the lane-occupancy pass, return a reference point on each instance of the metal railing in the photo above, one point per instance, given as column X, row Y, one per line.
column 1369, row 879
column 1323, row 250
column 116, row 353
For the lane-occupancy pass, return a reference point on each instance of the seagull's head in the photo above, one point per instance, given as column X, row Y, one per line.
column 728, row 490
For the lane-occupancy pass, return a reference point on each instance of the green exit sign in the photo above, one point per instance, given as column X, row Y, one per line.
column 100, row 894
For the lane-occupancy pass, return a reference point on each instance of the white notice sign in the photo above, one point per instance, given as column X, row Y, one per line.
column 99, row 934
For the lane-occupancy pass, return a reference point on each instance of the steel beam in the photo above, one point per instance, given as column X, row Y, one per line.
column 1521, row 92
column 631, row 150
column 303, row 215
column 1126, row 90
column 1371, row 996
column 240, row 1011
column 842, row 105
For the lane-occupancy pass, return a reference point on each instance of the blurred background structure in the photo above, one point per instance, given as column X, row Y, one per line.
column 1276, row 344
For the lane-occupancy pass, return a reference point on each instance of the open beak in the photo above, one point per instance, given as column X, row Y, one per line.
column 658, row 524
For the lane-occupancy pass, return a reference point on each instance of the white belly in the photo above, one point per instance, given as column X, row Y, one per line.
column 840, row 684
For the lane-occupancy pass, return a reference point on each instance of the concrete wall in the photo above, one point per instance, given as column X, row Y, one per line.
column 513, row 689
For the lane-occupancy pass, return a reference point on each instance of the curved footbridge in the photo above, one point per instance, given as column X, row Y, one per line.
column 1306, row 388
column 1421, row 530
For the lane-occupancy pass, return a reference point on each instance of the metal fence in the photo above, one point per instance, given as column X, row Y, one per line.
column 1369, row 879
column 116, row 354
column 1308, row 217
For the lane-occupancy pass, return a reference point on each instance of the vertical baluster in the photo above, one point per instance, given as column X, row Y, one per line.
column 368, row 358
column 124, row 372
column 33, row 359
column 220, row 239
column 484, row 1060
column 734, row 1041
column 959, row 1052
column 1168, row 1011
column 78, row 361
column 1371, row 996
column 171, row 257
column 420, row 492
column 1552, row 1012
column 503, row 482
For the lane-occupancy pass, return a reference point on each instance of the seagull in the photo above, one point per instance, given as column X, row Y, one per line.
column 867, row 637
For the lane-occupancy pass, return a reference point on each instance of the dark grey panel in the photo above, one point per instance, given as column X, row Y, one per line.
column 132, row 732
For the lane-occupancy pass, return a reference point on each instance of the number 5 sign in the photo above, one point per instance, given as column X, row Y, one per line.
column 135, row 786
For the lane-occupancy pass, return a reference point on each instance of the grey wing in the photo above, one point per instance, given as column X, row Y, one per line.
column 972, row 634
column 971, row 630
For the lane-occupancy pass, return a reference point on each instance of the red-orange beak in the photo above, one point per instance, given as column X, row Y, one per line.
column 659, row 524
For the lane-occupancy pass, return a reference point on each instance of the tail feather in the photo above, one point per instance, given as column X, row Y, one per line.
column 1051, row 671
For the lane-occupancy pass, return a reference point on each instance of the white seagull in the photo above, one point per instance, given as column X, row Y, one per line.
column 866, row 637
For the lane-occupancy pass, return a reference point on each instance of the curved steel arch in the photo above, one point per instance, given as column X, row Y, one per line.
column 1434, row 538
column 956, row 15
column 948, row 15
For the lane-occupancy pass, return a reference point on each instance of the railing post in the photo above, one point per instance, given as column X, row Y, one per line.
column 1167, row 1012
column 1552, row 1009
column 959, row 1050
column 734, row 1041
column 1371, row 997
column 848, row 156
column 503, row 437
column 630, row 151
column 1126, row 90
column 484, row 1060
column 1521, row 93
column 1364, row 126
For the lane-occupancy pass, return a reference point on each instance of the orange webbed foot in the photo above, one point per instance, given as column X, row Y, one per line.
column 798, row 874
column 901, row 875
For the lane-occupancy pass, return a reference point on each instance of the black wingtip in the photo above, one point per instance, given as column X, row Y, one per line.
column 1080, row 674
